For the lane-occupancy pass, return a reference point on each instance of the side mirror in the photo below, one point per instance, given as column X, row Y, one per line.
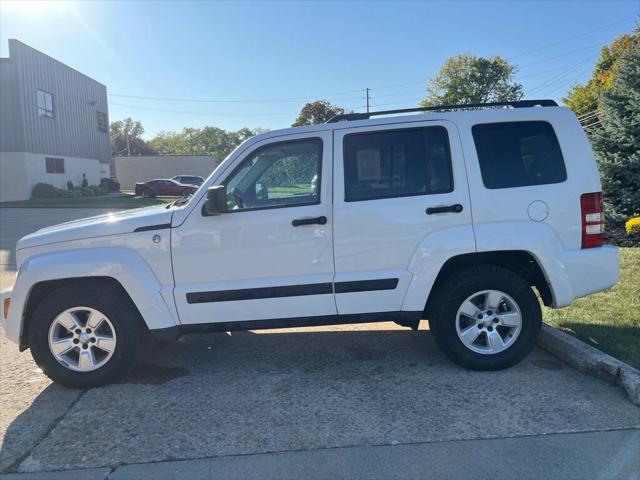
column 216, row 202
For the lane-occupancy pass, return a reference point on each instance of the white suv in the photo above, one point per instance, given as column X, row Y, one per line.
column 450, row 216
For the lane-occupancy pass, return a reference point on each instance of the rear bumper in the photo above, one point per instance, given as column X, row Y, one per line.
column 590, row 270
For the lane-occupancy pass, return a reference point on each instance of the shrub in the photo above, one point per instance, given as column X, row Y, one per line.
column 110, row 184
column 633, row 226
column 44, row 190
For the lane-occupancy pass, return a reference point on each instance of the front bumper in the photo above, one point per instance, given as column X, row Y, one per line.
column 10, row 324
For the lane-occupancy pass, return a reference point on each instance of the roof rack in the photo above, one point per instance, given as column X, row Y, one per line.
column 516, row 104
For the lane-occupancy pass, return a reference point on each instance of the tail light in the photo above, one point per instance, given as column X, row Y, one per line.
column 592, row 220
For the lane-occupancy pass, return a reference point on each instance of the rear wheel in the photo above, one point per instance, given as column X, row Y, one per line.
column 146, row 193
column 84, row 335
column 485, row 317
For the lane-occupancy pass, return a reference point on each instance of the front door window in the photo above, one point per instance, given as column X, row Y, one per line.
column 285, row 174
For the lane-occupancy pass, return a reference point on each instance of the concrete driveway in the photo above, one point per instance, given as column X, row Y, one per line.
column 317, row 402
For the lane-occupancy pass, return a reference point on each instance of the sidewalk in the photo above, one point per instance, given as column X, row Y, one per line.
column 596, row 455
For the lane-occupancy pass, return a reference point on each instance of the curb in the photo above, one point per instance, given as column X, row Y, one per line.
column 588, row 359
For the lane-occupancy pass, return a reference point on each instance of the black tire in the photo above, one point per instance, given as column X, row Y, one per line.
column 148, row 193
column 108, row 300
column 463, row 283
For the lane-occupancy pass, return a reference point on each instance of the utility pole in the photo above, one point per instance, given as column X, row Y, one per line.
column 368, row 98
column 128, row 147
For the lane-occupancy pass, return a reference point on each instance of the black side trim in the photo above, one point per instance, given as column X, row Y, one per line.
column 146, row 228
column 366, row 285
column 291, row 291
column 173, row 332
column 258, row 293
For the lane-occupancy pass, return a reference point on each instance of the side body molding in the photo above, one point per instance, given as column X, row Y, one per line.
column 432, row 253
column 121, row 264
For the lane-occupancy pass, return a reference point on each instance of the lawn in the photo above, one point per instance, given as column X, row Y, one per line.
column 609, row 320
column 119, row 203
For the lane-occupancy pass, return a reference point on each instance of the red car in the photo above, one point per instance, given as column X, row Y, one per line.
column 164, row 188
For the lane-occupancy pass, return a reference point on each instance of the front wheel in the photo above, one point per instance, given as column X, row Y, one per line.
column 83, row 335
column 485, row 317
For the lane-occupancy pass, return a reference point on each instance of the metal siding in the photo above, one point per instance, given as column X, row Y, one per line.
column 11, row 138
column 73, row 132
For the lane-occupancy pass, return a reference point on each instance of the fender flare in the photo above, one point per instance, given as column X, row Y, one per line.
column 428, row 259
column 539, row 240
column 153, row 300
column 534, row 238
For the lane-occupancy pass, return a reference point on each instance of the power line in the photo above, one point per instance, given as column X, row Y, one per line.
column 139, row 107
column 571, row 38
column 599, row 44
column 298, row 99
column 563, row 67
column 561, row 78
column 564, row 71
column 206, row 100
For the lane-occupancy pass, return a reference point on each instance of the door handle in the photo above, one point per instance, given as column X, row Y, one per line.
column 309, row 221
column 457, row 208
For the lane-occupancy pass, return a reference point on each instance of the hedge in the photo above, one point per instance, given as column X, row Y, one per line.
column 46, row 190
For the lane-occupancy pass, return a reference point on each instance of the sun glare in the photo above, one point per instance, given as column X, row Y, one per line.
column 36, row 8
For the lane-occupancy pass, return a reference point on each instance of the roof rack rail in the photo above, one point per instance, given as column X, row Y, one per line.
column 436, row 108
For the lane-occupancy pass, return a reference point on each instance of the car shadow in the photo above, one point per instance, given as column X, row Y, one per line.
column 294, row 353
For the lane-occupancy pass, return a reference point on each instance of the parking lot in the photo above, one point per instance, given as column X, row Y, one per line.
column 311, row 399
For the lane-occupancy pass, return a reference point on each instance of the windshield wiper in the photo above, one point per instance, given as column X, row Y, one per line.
column 178, row 202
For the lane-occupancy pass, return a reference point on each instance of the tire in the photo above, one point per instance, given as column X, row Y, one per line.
column 452, row 317
column 147, row 193
column 109, row 362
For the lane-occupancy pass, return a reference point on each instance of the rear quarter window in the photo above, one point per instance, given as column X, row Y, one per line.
column 518, row 154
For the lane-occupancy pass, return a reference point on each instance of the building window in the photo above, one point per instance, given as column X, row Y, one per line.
column 54, row 165
column 45, row 104
column 101, row 118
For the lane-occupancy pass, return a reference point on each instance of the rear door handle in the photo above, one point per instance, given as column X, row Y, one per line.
column 457, row 208
column 309, row 221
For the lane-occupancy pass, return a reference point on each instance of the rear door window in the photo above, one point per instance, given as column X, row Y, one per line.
column 518, row 154
column 397, row 163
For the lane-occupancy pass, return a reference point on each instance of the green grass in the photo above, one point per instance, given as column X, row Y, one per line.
column 120, row 203
column 609, row 320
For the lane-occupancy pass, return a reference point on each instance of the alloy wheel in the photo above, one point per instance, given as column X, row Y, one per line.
column 82, row 339
column 488, row 322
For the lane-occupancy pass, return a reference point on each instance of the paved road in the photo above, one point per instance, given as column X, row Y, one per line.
column 321, row 397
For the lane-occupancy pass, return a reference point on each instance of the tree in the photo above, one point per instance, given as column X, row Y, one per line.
column 466, row 78
column 617, row 143
column 131, row 130
column 201, row 141
column 317, row 112
column 584, row 99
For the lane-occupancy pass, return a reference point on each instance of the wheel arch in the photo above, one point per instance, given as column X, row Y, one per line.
column 521, row 262
column 41, row 289
column 118, row 267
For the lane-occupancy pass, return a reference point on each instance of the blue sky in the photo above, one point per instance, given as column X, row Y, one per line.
column 257, row 63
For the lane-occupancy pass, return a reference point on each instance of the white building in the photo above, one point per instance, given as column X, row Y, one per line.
column 54, row 124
